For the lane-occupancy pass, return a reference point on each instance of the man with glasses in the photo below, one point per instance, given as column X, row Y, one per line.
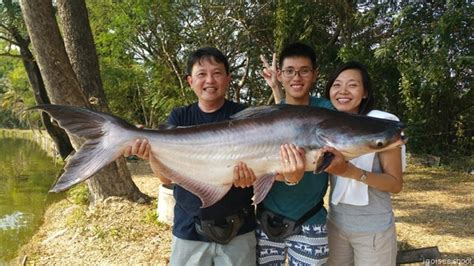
column 292, row 219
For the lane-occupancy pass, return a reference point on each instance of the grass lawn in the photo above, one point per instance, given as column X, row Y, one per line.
column 435, row 208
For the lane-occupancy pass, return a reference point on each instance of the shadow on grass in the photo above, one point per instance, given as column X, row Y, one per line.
column 439, row 201
column 440, row 221
column 404, row 245
column 443, row 181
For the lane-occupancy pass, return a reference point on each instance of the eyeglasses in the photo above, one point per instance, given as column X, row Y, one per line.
column 289, row 73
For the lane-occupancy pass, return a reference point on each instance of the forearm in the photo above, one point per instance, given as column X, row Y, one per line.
column 163, row 179
column 277, row 94
column 380, row 181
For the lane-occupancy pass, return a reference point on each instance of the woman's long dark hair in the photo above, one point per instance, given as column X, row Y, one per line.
column 367, row 104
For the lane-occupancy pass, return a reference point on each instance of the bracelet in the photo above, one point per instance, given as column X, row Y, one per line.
column 289, row 183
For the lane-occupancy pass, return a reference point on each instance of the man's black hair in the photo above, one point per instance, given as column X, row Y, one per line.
column 367, row 104
column 298, row 49
column 206, row 53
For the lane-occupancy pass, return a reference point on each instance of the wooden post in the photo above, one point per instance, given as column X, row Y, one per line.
column 418, row 255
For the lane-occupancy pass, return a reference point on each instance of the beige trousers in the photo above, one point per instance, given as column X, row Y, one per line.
column 361, row 249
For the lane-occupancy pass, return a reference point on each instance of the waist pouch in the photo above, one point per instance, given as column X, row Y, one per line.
column 222, row 231
column 278, row 227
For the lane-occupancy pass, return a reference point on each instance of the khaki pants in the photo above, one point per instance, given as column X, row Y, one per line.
column 239, row 251
column 360, row 249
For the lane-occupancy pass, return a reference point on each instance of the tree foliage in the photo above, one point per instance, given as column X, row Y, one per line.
column 419, row 55
column 12, row 92
column 431, row 49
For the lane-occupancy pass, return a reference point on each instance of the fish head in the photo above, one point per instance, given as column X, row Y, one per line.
column 361, row 135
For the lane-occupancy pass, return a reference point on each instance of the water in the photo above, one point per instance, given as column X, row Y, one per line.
column 26, row 174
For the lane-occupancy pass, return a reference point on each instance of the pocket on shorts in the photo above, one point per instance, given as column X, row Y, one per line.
column 385, row 240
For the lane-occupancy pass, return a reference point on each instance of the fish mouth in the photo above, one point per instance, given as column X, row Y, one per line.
column 398, row 140
column 401, row 127
column 403, row 137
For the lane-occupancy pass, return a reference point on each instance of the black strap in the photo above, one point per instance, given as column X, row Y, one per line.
column 246, row 212
column 302, row 219
column 223, row 230
column 309, row 213
column 223, row 233
column 278, row 227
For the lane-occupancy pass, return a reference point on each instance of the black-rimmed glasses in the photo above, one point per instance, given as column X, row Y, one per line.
column 304, row 72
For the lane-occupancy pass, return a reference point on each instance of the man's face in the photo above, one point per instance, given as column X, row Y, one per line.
column 297, row 76
column 209, row 80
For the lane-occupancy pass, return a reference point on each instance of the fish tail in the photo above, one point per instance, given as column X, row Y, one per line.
column 97, row 151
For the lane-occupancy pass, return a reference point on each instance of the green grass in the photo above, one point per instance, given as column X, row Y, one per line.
column 79, row 194
column 77, row 218
column 151, row 217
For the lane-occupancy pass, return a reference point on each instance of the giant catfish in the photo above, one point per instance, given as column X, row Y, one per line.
column 202, row 158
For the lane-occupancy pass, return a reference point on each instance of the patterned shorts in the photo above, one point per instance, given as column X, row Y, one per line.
column 309, row 247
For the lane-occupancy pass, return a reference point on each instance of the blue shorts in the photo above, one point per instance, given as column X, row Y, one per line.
column 309, row 247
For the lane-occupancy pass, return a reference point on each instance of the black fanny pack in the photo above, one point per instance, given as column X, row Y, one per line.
column 222, row 231
column 278, row 227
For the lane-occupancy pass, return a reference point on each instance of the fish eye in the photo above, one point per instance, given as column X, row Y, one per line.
column 379, row 143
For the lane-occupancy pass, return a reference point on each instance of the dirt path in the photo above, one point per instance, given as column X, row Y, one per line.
column 434, row 209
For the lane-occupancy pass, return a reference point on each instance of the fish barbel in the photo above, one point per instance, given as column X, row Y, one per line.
column 202, row 158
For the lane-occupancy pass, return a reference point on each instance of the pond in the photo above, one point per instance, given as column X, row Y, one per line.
column 26, row 175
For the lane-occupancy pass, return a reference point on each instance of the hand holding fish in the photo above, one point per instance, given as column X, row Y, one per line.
column 339, row 166
column 292, row 161
column 243, row 175
column 142, row 149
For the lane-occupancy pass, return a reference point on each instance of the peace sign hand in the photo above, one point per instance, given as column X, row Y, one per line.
column 269, row 73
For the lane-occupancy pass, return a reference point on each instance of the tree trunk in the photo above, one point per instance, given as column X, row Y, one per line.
column 64, row 87
column 80, row 48
column 58, row 135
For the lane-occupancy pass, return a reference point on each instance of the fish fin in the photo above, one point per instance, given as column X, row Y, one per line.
column 323, row 160
column 95, row 153
column 86, row 162
column 81, row 122
column 208, row 193
column 166, row 126
column 252, row 112
column 262, row 186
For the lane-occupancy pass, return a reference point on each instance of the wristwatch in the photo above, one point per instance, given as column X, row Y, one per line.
column 363, row 177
